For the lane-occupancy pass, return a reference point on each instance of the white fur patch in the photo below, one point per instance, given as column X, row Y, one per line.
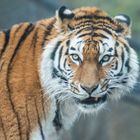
column 78, row 45
column 35, row 135
column 46, row 67
column 121, row 17
column 68, row 12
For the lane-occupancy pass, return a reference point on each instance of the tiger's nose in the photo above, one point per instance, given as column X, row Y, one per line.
column 89, row 90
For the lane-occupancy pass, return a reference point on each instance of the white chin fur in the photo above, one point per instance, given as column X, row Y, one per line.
column 91, row 109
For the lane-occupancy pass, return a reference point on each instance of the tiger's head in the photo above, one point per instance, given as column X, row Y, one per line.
column 90, row 60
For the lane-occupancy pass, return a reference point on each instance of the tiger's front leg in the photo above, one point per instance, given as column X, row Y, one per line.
column 61, row 117
column 65, row 114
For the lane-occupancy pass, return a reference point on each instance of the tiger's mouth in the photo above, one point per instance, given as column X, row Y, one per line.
column 94, row 100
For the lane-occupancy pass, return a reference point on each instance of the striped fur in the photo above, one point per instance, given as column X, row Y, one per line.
column 50, row 69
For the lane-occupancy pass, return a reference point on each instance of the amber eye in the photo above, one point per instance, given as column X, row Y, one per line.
column 105, row 58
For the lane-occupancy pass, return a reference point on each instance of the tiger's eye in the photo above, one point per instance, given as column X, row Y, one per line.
column 75, row 57
column 105, row 58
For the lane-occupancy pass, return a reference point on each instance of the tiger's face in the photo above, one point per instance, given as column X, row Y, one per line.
column 94, row 71
column 93, row 61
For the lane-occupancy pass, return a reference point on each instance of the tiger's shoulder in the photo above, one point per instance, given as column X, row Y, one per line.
column 17, row 33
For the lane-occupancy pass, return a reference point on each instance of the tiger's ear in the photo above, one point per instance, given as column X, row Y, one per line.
column 125, row 21
column 63, row 17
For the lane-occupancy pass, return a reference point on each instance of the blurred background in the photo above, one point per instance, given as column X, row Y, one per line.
column 119, row 121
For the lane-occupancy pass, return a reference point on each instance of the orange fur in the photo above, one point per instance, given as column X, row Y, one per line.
column 21, row 99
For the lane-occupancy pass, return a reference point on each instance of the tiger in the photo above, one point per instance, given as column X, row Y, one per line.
column 58, row 68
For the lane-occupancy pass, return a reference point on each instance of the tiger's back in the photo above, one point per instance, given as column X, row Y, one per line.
column 21, row 99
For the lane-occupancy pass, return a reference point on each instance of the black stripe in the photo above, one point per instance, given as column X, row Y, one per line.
column 26, row 33
column 72, row 48
column 57, row 119
column 104, row 18
column 100, row 35
column 84, row 22
column 39, row 123
column 84, row 25
column 80, row 30
column 65, row 63
column 127, row 63
column 28, row 136
column 50, row 26
column 107, row 26
column 23, row 37
column 85, row 34
column 116, row 54
column 2, row 127
column 34, row 40
column 90, row 33
column 109, row 92
column 116, row 44
column 104, row 29
column 68, row 42
column 102, row 23
column 63, row 78
column 1, row 65
column 85, row 28
column 18, row 28
column 95, row 17
column 93, row 26
column 110, row 49
column 48, row 31
column 84, row 17
column 70, row 27
column 127, row 48
column 13, row 107
column 44, row 38
column 59, row 59
column 119, row 74
column 124, row 81
column 67, row 52
column 55, row 74
column 6, row 41
column 43, row 101
column 55, row 49
column 122, row 60
column 28, row 121
column 119, row 29
column 91, row 41
column 116, row 66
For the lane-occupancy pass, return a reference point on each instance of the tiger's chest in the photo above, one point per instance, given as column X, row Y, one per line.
column 61, row 117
